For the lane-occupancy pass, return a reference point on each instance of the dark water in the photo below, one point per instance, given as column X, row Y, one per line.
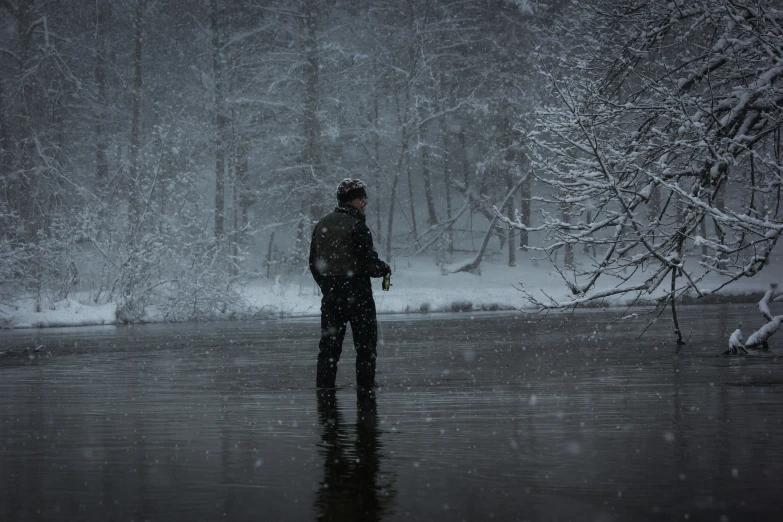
column 479, row 417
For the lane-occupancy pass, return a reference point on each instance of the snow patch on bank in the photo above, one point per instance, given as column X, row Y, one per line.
column 418, row 285
column 68, row 312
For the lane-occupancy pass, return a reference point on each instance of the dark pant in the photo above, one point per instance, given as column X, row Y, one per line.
column 338, row 309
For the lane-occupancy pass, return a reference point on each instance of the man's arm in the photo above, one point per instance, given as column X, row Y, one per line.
column 362, row 241
column 312, row 261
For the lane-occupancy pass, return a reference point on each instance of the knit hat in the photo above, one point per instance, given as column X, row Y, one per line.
column 350, row 189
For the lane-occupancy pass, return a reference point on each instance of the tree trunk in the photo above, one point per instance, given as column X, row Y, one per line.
column 512, row 251
column 377, row 151
column 234, row 266
column 589, row 247
column 241, row 202
column 135, row 144
column 101, row 159
column 673, row 295
column 269, row 251
column 447, row 180
column 426, row 175
column 568, row 250
column 720, row 204
column 393, row 196
column 27, row 184
column 466, row 177
column 410, row 194
column 398, row 171
column 220, row 123
column 704, row 250
column 312, row 128
column 526, row 196
column 6, row 154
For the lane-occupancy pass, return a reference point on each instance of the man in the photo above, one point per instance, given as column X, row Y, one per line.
column 342, row 261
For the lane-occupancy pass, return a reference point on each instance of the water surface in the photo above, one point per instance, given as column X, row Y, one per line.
column 490, row 416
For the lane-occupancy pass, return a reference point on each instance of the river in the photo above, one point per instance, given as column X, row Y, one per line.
column 485, row 416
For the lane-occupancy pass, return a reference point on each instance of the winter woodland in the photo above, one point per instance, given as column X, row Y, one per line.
column 166, row 153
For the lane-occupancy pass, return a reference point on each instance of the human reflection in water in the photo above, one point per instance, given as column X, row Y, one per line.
column 353, row 487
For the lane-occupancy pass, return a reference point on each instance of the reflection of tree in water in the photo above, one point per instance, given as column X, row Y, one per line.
column 353, row 488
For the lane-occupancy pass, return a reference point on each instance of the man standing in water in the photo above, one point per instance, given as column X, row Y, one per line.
column 342, row 261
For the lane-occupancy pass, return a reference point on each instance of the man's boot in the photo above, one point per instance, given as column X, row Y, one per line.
column 365, row 373
column 326, row 373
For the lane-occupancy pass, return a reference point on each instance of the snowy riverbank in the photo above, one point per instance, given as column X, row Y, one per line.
column 418, row 286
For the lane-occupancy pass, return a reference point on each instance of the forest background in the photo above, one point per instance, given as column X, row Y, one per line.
column 166, row 160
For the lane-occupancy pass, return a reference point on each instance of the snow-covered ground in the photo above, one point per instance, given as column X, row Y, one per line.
column 418, row 285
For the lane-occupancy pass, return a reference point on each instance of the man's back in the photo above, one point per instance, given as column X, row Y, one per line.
column 334, row 246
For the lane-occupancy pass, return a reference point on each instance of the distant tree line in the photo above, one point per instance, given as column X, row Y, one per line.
column 155, row 148
column 165, row 152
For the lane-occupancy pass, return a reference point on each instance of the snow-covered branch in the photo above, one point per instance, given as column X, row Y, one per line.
column 473, row 264
column 665, row 164
column 758, row 340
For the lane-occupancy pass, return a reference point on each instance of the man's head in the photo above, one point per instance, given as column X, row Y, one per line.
column 352, row 192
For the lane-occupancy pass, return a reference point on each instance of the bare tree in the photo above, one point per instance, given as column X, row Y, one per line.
column 312, row 125
column 668, row 104
column 102, row 9
column 221, row 119
column 134, row 170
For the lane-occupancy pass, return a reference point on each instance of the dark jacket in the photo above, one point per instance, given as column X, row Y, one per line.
column 342, row 254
